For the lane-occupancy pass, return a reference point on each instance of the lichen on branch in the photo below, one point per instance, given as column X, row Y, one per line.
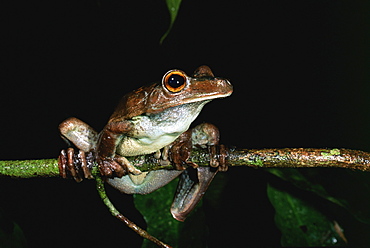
column 257, row 158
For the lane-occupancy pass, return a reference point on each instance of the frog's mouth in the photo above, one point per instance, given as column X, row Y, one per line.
column 198, row 91
column 224, row 87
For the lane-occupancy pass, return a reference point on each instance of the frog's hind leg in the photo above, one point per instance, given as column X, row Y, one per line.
column 195, row 180
column 163, row 156
column 190, row 190
column 78, row 165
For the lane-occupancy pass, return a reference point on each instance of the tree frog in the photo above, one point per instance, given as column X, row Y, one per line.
column 145, row 121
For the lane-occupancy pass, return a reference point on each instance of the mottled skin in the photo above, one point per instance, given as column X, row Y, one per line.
column 145, row 121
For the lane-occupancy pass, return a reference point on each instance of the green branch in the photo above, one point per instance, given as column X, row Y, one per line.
column 103, row 195
column 262, row 158
column 29, row 168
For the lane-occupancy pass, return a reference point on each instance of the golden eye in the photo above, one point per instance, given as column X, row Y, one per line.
column 174, row 81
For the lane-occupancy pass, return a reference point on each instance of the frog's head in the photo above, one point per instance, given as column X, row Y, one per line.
column 176, row 88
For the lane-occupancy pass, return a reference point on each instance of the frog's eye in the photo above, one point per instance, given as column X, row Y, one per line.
column 174, row 81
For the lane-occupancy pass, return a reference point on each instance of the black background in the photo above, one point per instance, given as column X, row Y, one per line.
column 298, row 68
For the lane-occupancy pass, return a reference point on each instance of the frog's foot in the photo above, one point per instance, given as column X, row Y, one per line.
column 128, row 166
column 218, row 154
column 163, row 156
column 117, row 167
column 208, row 135
column 78, row 165
column 180, row 151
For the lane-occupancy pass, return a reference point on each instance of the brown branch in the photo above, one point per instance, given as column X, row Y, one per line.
column 257, row 158
column 271, row 158
column 101, row 190
column 263, row 158
column 301, row 157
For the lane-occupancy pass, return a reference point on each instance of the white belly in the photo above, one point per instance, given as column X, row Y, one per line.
column 155, row 131
column 138, row 146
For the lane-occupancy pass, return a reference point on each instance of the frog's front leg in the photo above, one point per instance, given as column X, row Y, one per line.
column 110, row 163
column 195, row 180
column 180, row 149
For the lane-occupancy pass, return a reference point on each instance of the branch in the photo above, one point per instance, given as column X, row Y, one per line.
column 103, row 195
column 263, row 158
column 29, row 168
column 301, row 158
column 257, row 158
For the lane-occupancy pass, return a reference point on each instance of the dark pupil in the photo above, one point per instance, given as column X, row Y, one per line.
column 175, row 81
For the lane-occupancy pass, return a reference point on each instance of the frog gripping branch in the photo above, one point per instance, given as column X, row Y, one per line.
column 154, row 121
column 145, row 121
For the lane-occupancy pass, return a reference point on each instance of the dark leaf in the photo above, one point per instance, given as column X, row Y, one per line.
column 11, row 235
column 345, row 188
column 301, row 224
column 173, row 7
column 155, row 208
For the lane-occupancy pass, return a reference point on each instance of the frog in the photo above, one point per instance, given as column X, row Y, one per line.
column 153, row 119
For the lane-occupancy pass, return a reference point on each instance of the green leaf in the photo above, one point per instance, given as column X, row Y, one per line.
column 300, row 223
column 11, row 235
column 173, row 7
column 155, row 207
column 345, row 188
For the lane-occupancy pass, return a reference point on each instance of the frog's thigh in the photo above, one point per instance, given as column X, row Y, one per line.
column 153, row 180
column 205, row 134
column 79, row 133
